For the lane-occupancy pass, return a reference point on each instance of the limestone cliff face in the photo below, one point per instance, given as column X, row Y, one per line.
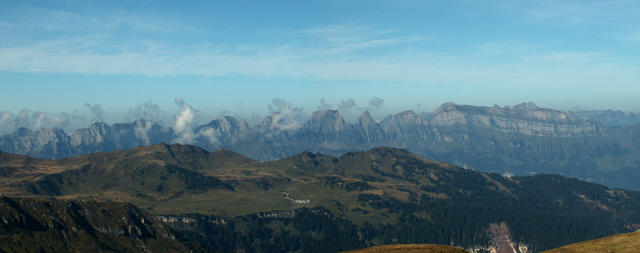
column 99, row 137
column 226, row 130
column 611, row 118
column 405, row 129
column 526, row 119
column 327, row 122
column 40, row 143
column 370, row 131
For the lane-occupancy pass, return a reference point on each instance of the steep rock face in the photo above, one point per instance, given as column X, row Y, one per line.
column 99, row 137
column 326, row 128
column 526, row 119
column 102, row 137
column 92, row 136
column 369, row 129
column 40, row 143
column 405, row 129
column 329, row 121
column 611, row 118
column 222, row 132
column 226, row 126
column 30, row 225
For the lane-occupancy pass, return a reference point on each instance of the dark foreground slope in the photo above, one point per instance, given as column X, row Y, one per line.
column 623, row 243
column 315, row 203
column 410, row 248
column 31, row 225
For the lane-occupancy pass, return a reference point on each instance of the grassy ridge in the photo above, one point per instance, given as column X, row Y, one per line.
column 391, row 195
column 622, row 243
column 409, row 248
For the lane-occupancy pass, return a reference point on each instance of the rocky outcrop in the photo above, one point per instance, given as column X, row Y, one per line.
column 31, row 225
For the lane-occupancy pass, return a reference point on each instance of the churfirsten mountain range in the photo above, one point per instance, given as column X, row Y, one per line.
column 598, row 146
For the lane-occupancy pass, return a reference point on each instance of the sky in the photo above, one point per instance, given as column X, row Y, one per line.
column 108, row 60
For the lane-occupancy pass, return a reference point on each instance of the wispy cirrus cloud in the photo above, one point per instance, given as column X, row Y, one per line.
column 127, row 43
column 347, row 38
column 529, row 69
column 574, row 12
column 86, row 21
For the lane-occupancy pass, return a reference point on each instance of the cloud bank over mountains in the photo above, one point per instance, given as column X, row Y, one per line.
column 282, row 115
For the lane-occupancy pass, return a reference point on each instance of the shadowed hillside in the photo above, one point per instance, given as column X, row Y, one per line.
column 410, row 248
column 30, row 225
column 381, row 196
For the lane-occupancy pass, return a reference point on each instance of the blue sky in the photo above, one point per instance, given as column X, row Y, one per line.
column 236, row 56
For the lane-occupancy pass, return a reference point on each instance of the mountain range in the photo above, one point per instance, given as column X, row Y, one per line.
column 228, row 202
column 597, row 146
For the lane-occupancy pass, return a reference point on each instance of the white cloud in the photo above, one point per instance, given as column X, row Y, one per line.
column 420, row 67
column 9, row 121
column 183, row 127
column 376, row 102
column 284, row 116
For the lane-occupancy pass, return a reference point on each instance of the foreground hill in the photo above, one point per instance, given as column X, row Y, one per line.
column 523, row 139
column 410, row 248
column 229, row 202
column 623, row 243
column 31, row 225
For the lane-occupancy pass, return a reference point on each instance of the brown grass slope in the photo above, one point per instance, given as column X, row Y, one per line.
column 622, row 243
column 378, row 186
column 182, row 178
column 410, row 248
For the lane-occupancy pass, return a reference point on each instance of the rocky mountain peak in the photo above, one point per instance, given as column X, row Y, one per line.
column 366, row 119
column 326, row 120
column 236, row 123
column 226, row 124
column 525, row 118
column 528, row 106
column 404, row 118
column 279, row 121
column 99, row 126
column 380, row 151
column 446, row 107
